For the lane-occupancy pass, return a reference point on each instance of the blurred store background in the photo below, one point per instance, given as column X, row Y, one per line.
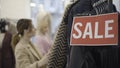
column 16, row 9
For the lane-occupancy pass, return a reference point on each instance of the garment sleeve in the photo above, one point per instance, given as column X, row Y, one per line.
column 23, row 60
column 58, row 52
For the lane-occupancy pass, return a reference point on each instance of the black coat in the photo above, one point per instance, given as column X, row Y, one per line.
column 80, row 56
column 89, row 57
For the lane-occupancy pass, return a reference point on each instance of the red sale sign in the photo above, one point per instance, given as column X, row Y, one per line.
column 97, row 30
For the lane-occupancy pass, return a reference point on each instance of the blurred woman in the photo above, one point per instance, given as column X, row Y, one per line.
column 42, row 40
column 25, row 53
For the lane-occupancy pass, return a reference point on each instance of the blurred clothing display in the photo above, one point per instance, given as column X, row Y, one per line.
column 0, row 58
column 12, row 26
column 7, row 59
column 1, row 40
column 12, row 29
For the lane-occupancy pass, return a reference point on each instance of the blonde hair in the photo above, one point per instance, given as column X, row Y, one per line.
column 43, row 20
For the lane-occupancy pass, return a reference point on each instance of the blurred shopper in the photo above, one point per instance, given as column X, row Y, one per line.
column 42, row 39
column 25, row 53
column 7, row 59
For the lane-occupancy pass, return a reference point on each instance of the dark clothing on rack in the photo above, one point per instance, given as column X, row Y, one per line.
column 7, row 55
column 90, row 57
column 0, row 57
column 81, row 56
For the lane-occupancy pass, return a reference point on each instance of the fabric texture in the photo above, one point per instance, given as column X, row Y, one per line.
column 58, row 52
